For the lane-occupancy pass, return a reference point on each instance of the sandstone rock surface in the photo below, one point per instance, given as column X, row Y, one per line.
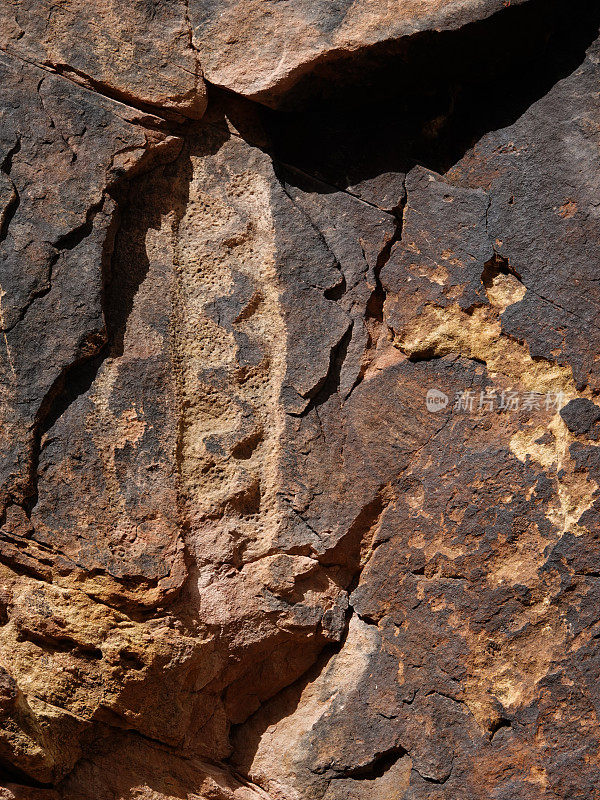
column 262, row 49
column 140, row 52
column 243, row 554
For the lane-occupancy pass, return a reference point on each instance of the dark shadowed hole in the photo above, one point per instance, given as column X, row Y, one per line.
column 501, row 724
column 9, row 774
column 377, row 768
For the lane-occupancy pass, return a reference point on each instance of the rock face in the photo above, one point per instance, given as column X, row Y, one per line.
column 140, row 52
column 262, row 49
column 299, row 464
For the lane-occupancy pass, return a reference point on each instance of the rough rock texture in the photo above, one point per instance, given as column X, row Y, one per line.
column 242, row 555
column 140, row 51
column 262, row 49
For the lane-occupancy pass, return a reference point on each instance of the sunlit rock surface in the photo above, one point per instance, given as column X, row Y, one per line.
column 299, row 415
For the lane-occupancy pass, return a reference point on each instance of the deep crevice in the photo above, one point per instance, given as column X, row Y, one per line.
column 87, row 84
column 70, row 240
column 500, row 724
column 331, row 383
column 374, row 311
column 497, row 265
column 63, row 644
column 10, row 774
column 377, row 768
column 428, row 98
column 119, row 289
column 7, row 162
column 428, row 779
column 73, row 381
column 11, row 208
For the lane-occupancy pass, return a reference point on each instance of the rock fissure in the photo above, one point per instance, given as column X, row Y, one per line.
column 283, row 545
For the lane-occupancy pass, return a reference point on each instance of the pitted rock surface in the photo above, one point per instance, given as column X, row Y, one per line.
column 299, row 411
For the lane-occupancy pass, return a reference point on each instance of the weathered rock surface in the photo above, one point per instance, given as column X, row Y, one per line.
column 262, row 49
column 139, row 52
column 242, row 555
